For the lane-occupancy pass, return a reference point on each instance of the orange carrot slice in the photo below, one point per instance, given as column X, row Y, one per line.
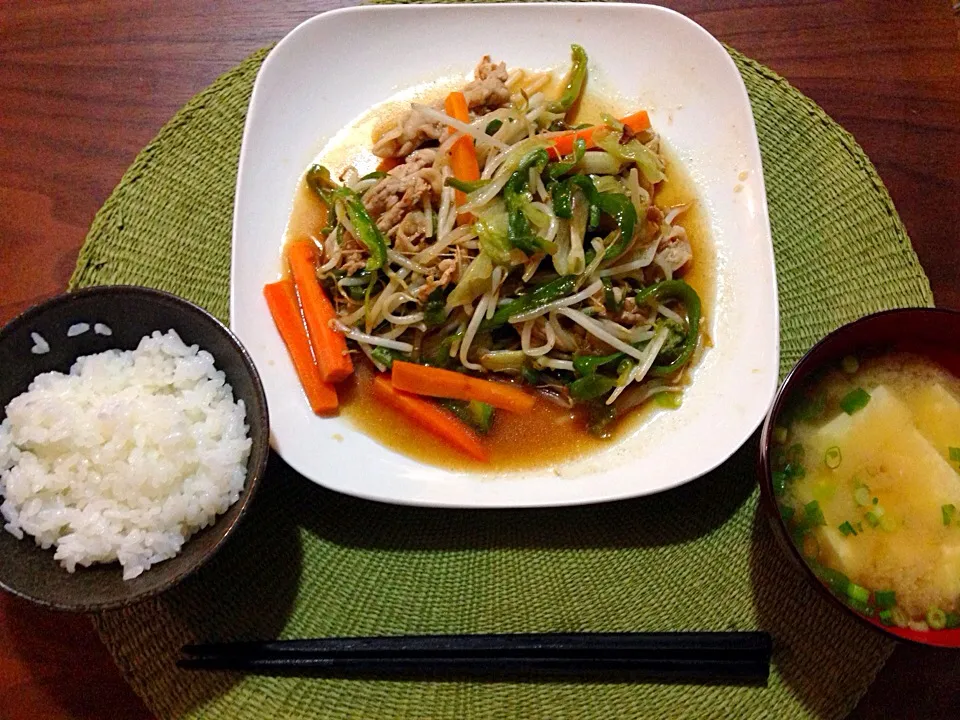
column 463, row 154
column 435, row 420
column 282, row 300
column 329, row 346
column 563, row 144
column 437, row 382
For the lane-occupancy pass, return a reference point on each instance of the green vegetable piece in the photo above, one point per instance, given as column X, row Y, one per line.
column 900, row 618
column 832, row 457
column 885, row 599
column 847, row 528
column 435, row 309
column 386, row 356
column 952, row 620
column 517, row 197
column 858, row 593
column 886, row 617
column 954, row 453
column 796, row 472
column 529, row 375
column 834, row 579
column 862, row 496
column 588, row 364
column 854, row 400
column 677, row 290
column 633, row 151
column 787, row 513
column 318, row 179
column 813, row 515
column 849, row 364
column 872, row 518
column 481, row 415
column 610, row 297
column 616, row 205
column 467, row 186
column 780, row 434
column 669, row 400
column 493, row 126
column 593, row 219
column 936, row 618
column 591, row 387
column 375, row 175
column 556, row 169
column 600, row 419
column 575, row 80
column 779, row 479
column 948, row 512
column 538, row 297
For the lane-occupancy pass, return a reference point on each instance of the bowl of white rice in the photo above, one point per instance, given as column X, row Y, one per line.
column 133, row 434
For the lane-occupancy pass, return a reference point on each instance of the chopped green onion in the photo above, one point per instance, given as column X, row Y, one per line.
column 832, row 457
column 875, row 501
column 813, row 515
column 886, row 617
column 888, row 524
column 858, row 593
column 854, row 400
column 787, row 512
column 954, row 454
column 835, row 580
column 872, row 518
column 779, row 479
column 847, row 529
column 885, row 599
column 861, row 607
column 779, row 435
column 795, row 472
column 953, row 620
column 899, row 617
column 936, row 618
column 850, row 364
column 948, row 512
column 862, row 496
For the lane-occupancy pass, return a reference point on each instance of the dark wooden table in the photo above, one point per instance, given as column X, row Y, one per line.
column 84, row 85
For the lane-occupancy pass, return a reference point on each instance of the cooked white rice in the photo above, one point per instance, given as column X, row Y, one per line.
column 124, row 458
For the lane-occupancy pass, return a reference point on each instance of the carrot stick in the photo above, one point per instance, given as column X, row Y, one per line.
column 436, row 420
column 563, row 144
column 463, row 154
column 329, row 346
column 437, row 382
column 388, row 164
column 282, row 300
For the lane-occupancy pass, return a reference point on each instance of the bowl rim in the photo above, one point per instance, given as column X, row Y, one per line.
column 255, row 473
column 799, row 372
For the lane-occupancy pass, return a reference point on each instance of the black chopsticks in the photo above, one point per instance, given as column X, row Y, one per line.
column 721, row 657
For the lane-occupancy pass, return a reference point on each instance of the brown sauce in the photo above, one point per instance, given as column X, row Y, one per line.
column 549, row 434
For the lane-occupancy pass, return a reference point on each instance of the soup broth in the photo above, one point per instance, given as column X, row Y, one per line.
column 866, row 474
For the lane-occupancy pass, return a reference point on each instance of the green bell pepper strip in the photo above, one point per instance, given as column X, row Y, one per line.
column 588, row 364
column 318, row 180
column 590, row 387
column 540, row 296
column 516, row 195
column 556, row 169
column 676, row 290
column 578, row 73
column 467, row 186
column 617, row 206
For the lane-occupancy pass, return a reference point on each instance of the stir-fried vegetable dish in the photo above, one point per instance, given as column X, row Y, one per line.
column 500, row 255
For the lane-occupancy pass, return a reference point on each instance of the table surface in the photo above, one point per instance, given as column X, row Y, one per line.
column 86, row 84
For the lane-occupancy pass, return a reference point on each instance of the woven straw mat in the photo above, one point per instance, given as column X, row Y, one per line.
column 308, row 562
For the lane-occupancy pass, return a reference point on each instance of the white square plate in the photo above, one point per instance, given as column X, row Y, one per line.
column 334, row 67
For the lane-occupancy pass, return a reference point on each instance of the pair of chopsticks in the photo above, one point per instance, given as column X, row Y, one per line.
column 721, row 657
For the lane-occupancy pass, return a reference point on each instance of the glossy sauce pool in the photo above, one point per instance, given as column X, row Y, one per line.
column 549, row 434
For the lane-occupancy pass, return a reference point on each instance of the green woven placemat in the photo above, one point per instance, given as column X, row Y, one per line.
column 308, row 562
